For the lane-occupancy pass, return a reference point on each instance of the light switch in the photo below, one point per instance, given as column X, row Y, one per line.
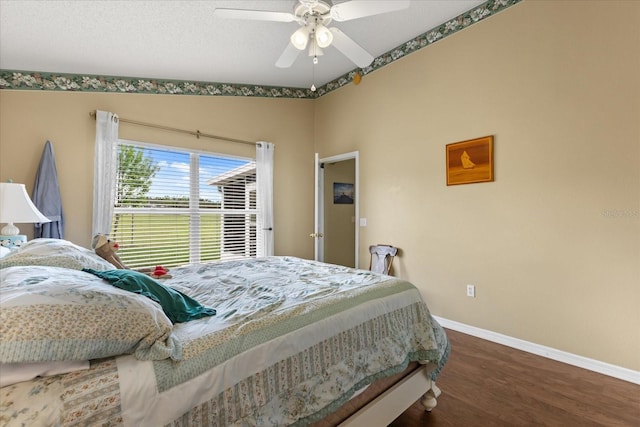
column 363, row 222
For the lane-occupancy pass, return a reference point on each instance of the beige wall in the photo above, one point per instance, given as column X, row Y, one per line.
column 28, row 119
column 339, row 219
column 553, row 245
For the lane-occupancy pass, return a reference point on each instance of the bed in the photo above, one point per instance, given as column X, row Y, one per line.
column 292, row 342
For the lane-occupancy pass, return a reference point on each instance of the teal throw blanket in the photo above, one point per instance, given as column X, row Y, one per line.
column 177, row 306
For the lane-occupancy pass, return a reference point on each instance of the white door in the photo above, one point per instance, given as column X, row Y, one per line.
column 318, row 220
column 320, row 203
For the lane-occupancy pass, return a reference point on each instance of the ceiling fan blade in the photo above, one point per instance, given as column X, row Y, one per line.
column 350, row 49
column 256, row 15
column 288, row 56
column 360, row 8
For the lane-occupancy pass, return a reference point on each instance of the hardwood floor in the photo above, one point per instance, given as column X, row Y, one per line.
column 487, row 384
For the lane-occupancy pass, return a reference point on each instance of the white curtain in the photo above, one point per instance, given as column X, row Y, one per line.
column 264, row 171
column 104, row 171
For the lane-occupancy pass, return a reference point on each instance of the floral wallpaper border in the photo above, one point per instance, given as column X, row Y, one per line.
column 32, row 80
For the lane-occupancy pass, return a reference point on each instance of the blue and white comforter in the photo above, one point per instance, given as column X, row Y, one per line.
column 292, row 341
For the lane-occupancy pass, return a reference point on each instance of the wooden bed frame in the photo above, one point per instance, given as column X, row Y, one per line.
column 383, row 401
column 393, row 402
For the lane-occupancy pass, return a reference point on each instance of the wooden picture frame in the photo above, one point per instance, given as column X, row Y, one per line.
column 470, row 161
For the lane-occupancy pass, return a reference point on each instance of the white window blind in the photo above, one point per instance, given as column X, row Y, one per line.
column 175, row 207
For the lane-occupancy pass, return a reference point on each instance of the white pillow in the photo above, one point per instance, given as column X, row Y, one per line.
column 11, row 373
column 4, row 251
column 55, row 314
column 55, row 253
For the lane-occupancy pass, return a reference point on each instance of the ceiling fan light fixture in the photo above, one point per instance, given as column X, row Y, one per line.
column 300, row 38
column 314, row 16
column 323, row 36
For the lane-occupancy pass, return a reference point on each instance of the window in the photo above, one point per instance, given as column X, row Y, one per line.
column 176, row 206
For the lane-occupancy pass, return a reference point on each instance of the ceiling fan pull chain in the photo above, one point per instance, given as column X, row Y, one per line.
column 313, row 73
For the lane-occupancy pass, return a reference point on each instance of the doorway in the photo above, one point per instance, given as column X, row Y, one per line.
column 337, row 209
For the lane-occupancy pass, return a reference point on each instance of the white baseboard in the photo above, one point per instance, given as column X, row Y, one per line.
column 548, row 352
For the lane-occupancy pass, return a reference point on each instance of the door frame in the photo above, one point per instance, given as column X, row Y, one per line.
column 319, row 201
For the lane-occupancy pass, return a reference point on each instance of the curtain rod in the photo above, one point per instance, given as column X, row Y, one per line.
column 196, row 133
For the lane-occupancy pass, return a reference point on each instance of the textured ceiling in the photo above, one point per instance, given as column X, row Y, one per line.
column 183, row 40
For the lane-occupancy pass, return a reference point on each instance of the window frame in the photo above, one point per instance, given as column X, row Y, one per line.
column 194, row 211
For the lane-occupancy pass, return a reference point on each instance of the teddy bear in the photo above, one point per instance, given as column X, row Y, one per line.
column 107, row 249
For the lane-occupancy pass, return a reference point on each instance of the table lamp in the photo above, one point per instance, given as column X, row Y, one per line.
column 16, row 206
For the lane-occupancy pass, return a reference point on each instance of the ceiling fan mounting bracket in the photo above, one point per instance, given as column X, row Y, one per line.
column 312, row 12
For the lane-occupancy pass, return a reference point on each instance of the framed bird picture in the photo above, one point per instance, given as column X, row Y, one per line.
column 470, row 161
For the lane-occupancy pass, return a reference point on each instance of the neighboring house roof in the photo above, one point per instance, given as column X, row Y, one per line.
column 234, row 175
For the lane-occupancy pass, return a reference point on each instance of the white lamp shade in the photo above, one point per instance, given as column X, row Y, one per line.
column 300, row 38
column 16, row 206
column 324, row 37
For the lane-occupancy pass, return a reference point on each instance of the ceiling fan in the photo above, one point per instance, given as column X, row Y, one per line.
column 314, row 16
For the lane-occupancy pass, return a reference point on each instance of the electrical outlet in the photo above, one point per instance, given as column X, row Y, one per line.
column 471, row 291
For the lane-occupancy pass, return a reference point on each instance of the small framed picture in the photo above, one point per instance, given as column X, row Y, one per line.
column 470, row 161
column 342, row 193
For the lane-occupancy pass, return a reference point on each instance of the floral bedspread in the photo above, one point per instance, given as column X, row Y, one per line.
column 292, row 341
column 83, row 398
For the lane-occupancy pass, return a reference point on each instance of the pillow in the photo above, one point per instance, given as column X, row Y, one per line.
column 53, row 314
column 177, row 306
column 55, row 253
column 4, row 251
column 11, row 373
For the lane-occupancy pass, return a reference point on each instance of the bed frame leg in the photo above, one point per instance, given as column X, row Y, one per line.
column 429, row 399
